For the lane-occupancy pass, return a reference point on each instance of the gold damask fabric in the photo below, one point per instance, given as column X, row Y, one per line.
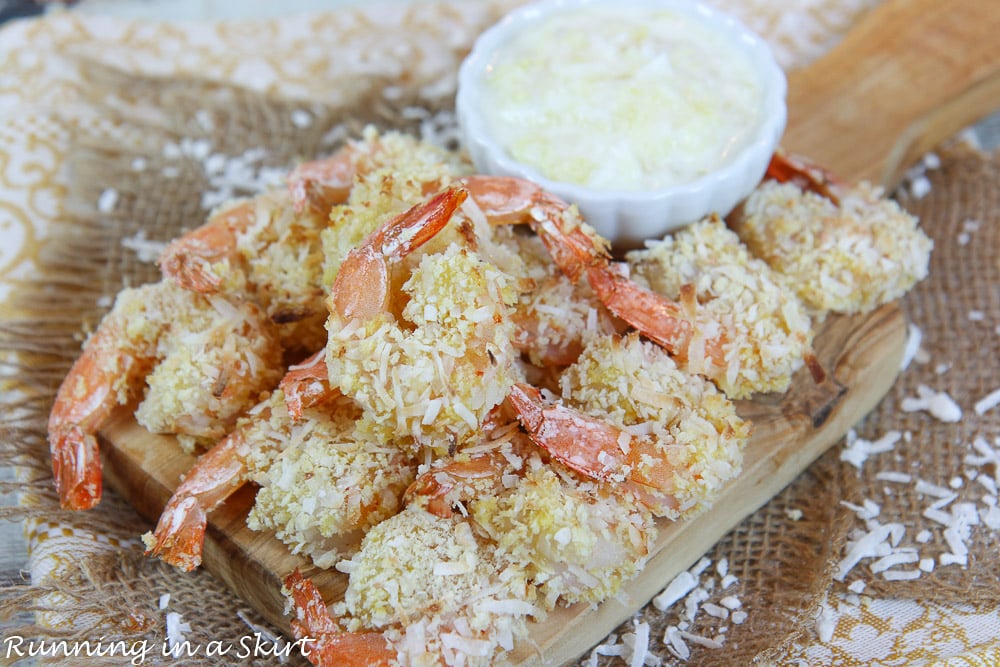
column 59, row 109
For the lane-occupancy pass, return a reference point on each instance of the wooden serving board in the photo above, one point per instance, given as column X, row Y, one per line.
column 861, row 355
column 911, row 74
column 907, row 77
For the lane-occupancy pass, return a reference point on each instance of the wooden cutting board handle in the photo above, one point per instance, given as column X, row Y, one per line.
column 911, row 74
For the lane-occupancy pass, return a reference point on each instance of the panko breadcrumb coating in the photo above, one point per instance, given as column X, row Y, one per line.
column 441, row 594
column 686, row 438
column 433, row 374
column 849, row 258
column 768, row 328
column 321, row 486
column 211, row 359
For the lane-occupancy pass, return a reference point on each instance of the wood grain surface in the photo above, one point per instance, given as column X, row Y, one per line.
column 910, row 75
column 861, row 356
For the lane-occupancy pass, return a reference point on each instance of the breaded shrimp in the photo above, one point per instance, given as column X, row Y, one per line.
column 843, row 249
column 575, row 538
column 427, row 359
column 196, row 362
column 321, row 486
column 769, row 330
column 430, row 588
column 629, row 416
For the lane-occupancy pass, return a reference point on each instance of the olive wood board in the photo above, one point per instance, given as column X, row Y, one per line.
column 861, row 355
column 908, row 76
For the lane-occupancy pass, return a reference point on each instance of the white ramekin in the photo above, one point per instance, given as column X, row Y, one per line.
column 628, row 218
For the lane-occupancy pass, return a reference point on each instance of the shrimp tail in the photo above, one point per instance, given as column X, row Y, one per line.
column 180, row 533
column 785, row 168
column 594, row 448
column 324, row 643
column 191, row 260
column 582, row 443
column 76, row 465
column 506, row 200
column 361, row 288
column 84, row 401
column 307, row 385
column 658, row 318
column 322, row 184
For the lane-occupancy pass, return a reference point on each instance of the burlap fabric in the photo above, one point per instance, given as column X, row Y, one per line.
column 784, row 565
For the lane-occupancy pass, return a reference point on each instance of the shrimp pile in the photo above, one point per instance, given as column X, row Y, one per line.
column 241, row 296
column 490, row 415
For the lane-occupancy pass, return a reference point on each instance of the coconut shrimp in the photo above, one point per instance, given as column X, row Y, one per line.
column 203, row 360
column 425, row 346
column 259, row 250
column 320, row 485
column 844, row 249
column 691, row 334
column 327, row 182
column 222, row 470
column 422, row 590
column 576, row 539
column 270, row 249
column 629, row 416
column 769, row 330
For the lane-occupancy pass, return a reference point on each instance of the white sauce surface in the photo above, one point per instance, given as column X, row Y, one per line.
column 627, row 99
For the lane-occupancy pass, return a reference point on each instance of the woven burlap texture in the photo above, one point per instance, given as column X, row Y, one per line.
column 784, row 567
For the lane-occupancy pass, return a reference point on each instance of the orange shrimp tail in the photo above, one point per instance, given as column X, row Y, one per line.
column 361, row 288
column 506, row 200
column 324, row 643
column 189, row 260
column 76, row 465
column 180, row 533
column 658, row 318
column 307, row 385
column 786, row 168
column 322, row 184
column 582, row 443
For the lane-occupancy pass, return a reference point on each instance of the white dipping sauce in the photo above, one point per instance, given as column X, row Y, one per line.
column 624, row 99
